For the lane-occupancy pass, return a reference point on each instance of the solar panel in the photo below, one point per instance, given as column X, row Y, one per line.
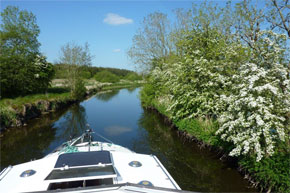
column 103, row 172
column 83, row 159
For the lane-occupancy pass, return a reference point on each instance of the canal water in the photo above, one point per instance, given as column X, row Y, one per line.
column 118, row 116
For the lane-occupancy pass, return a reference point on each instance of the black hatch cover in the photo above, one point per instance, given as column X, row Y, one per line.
column 83, row 159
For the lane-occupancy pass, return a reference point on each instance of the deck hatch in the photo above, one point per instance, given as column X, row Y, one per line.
column 83, row 159
column 103, row 172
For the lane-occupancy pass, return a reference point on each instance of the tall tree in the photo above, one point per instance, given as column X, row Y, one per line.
column 22, row 68
column 19, row 33
column 73, row 56
column 151, row 40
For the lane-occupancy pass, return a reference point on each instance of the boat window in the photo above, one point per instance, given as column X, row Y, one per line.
column 80, row 183
column 102, row 171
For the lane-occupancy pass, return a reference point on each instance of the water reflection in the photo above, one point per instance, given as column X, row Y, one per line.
column 116, row 130
column 131, row 90
column 31, row 142
column 73, row 123
column 107, row 95
column 193, row 168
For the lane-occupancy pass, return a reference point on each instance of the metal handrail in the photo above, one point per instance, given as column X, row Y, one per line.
column 5, row 171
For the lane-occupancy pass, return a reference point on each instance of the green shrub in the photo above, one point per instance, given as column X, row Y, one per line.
column 85, row 74
column 147, row 94
column 202, row 129
column 7, row 115
column 133, row 76
column 80, row 90
column 106, row 76
column 272, row 172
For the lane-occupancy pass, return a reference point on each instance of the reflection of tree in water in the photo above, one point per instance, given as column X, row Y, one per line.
column 106, row 96
column 74, row 123
column 193, row 168
column 132, row 89
column 26, row 143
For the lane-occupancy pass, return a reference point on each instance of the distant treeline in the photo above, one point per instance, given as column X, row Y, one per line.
column 88, row 72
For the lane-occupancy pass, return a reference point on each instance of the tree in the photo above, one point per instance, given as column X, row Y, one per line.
column 19, row 33
column 133, row 76
column 74, row 56
column 23, row 69
column 106, row 76
column 249, row 21
column 279, row 15
column 151, row 40
column 255, row 115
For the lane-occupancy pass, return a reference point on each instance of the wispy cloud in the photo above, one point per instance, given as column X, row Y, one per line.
column 117, row 50
column 115, row 19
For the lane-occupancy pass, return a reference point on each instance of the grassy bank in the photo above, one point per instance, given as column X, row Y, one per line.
column 270, row 174
column 121, row 85
column 16, row 111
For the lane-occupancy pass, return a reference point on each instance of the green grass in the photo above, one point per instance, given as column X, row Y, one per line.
column 18, row 102
column 121, row 85
column 202, row 129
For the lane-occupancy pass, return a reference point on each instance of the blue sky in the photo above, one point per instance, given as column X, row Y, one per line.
column 108, row 26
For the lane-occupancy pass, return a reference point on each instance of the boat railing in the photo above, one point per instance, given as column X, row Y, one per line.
column 4, row 172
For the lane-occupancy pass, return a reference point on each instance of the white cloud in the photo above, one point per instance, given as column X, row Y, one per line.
column 115, row 19
column 117, row 50
column 117, row 130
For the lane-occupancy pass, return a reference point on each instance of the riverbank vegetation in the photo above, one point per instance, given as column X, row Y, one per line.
column 222, row 75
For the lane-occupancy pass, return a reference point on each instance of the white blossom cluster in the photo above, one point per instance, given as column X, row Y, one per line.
column 40, row 65
column 254, row 116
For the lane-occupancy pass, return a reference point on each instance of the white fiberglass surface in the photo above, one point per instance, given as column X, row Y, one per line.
column 32, row 183
column 150, row 171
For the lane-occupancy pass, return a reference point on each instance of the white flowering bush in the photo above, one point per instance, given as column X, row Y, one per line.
column 194, row 84
column 43, row 73
column 247, row 90
column 255, row 114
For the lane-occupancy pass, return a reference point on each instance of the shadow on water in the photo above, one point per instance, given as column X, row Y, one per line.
column 192, row 167
column 29, row 142
column 41, row 136
column 118, row 116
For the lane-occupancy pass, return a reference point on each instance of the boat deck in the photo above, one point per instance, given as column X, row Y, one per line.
column 128, row 167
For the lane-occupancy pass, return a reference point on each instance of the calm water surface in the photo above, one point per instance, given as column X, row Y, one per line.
column 118, row 116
